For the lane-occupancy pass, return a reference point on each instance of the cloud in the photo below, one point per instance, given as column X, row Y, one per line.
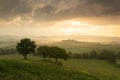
column 70, row 9
column 12, row 8
column 57, row 10
column 109, row 7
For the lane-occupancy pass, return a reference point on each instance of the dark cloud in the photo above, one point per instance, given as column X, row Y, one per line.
column 12, row 8
column 44, row 12
column 109, row 7
column 68, row 9
column 52, row 10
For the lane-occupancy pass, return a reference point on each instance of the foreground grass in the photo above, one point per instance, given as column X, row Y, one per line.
column 11, row 69
column 99, row 68
column 75, row 67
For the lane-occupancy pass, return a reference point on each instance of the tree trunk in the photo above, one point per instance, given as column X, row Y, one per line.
column 44, row 58
column 25, row 56
column 56, row 60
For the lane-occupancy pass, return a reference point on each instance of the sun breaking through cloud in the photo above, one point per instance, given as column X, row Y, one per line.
column 60, row 17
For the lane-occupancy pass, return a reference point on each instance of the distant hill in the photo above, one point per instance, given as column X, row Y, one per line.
column 74, row 43
column 81, row 47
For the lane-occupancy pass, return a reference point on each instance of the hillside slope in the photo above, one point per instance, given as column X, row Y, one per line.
column 42, row 70
column 74, row 43
column 100, row 68
column 81, row 47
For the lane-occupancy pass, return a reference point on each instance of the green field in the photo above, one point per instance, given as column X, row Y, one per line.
column 101, row 69
column 98, row 48
column 13, row 67
column 77, row 68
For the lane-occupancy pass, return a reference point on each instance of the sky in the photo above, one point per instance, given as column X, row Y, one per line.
column 60, row 17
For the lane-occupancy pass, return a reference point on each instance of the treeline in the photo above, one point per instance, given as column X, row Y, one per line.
column 6, row 51
column 108, row 55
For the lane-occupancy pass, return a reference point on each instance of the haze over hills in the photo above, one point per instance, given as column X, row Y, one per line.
column 51, row 39
column 81, row 47
column 75, row 44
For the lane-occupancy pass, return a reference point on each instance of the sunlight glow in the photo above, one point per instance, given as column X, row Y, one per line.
column 72, row 29
column 76, row 23
column 73, row 23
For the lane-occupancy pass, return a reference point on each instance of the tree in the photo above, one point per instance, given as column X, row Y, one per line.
column 108, row 55
column 70, row 55
column 85, row 56
column 118, row 55
column 77, row 56
column 58, row 53
column 93, row 54
column 103, row 54
column 25, row 47
column 44, row 51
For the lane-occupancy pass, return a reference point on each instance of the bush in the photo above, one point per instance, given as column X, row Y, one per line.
column 60, row 63
column 108, row 55
column 77, row 56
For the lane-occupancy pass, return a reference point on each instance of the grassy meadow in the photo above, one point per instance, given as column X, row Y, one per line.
column 99, row 48
column 99, row 68
column 13, row 66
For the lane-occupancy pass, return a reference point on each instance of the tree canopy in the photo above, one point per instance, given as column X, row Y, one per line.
column 52, row 52
column 25, row 47
column 44, row 51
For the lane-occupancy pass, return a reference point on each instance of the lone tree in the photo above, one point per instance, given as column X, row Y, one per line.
column 44, row 51
column 25, row 47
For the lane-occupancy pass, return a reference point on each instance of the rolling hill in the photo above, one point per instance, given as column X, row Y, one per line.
column 74, row 43
column 38, row 70
column 81, row 47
